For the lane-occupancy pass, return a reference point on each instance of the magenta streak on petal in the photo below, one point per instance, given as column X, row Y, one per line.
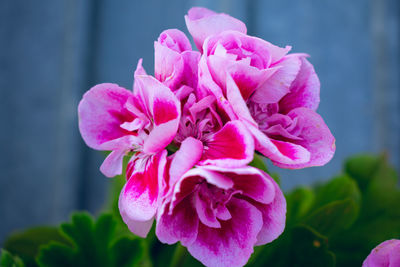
column 220, row 151
column 179, row 224
column 164, row 111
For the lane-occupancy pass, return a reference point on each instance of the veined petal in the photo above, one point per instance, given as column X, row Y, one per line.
column 221, row 151
column 138, row 200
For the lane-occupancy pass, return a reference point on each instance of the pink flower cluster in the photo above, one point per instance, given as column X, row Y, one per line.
column 216, row 107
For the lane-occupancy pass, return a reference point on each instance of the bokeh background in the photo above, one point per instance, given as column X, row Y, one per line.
column 51, row 52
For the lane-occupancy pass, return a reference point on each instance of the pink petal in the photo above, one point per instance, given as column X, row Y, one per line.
column 210, row 175
column 190, row 71
column 385, row 254
column 168, row 65
column 112, row 165
column 202, row 22
column 180, row 225
column 101, row 112
column 232, row 244
column 139, row 197
column 279, row 151
column 253, row 183
column 175, row 40
column 274, row 216
column 185, row 158
column 162, row 107
column 304, row 91
column 205, row 212
column 278, row 85
column 220, row 150
column 316, row 138
column 208, row 86
column 238, row 104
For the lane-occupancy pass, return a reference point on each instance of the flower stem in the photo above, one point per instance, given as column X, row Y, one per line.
column 179, row 256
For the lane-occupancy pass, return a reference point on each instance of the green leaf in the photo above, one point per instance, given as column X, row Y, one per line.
column 93, row 244
column 334, row 217
column 8, row 260
column 339, row 188
column 309, row 248
column 56, row 254
column 26, row 244
column 362, row 168
column 126, row 252
column 258, row 162
column 299, row 202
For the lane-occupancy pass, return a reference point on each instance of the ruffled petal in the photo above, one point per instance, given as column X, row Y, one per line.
column 179, row 224
column 279, row 152
column 163, row 109
column 316, row 137
column 202, row 22
column 278, row 85
column 304, row 91
column 232, row 244
column 274, row 216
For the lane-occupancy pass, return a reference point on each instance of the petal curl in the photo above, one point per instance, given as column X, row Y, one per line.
column 101, row 112
column 163, row 109
column 316, row 138
column 202, row 22
column 304, row 91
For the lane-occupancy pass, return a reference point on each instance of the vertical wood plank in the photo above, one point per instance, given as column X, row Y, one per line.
column 338, row 38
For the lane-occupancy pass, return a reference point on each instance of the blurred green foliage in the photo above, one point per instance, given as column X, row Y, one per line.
column 332, row 224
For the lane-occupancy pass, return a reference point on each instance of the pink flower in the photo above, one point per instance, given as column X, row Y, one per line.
column 116, row 119
column 218, row 213
column 386, row 254
column 274, row 94
column 143, row 121
column 225, row 143
column 202, row 22
column 175, row 63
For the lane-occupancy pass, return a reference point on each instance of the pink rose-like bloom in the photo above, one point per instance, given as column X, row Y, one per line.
column 273, row 93
column 219, row 213
column 175, row 64
column 143, row 121
column 386, row 254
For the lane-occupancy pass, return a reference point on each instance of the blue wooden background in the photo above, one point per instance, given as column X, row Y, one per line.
column 51, row 52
